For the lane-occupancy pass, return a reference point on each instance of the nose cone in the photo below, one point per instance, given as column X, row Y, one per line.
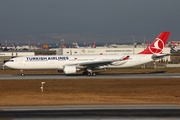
column 9, row 64
column 6, row 64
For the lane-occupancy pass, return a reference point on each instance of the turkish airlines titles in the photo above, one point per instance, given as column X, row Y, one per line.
column 46, row 58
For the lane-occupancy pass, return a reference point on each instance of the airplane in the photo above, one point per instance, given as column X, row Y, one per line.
column 70, row 64
column 175, row 48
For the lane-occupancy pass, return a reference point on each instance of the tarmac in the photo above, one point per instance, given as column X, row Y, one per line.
column 91, row 112
column 80, row 76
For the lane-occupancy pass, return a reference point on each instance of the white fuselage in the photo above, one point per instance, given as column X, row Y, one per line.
column 58, row 62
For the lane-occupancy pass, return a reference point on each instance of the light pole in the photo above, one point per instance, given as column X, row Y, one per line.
column 144, row 41
column 144, row 48
column 6, row 43
column 29, row 45
column 61, row 46
column 133, row 42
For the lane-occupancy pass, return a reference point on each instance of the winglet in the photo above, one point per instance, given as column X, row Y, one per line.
column 157, row 45
column 126, row 57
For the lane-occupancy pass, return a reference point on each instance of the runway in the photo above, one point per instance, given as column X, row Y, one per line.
column 79, row 76
column 92, row 112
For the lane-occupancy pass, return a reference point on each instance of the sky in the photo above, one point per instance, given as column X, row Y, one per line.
column 93, row 17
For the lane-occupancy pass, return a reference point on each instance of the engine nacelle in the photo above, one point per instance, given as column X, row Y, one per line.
column 70, row 69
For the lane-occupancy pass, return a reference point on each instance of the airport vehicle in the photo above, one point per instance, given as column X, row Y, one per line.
column 70, row 64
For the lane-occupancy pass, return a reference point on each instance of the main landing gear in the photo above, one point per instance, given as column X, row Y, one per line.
column 89, row 73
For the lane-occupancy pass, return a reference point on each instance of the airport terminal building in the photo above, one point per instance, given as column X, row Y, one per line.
column 106, row 51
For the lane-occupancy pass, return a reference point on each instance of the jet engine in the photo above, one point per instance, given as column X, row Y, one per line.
column 70, row 69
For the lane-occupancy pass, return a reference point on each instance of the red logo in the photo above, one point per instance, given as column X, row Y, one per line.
column 157, row 46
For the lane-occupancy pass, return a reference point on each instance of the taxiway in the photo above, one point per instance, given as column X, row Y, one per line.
column 92, row 112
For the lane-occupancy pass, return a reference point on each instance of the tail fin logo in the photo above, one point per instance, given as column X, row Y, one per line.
column 157, row 46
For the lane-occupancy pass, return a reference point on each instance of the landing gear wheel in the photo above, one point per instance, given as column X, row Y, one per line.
column 93, row 74
column 85, row 73
column 22, row 74
column 88, row 74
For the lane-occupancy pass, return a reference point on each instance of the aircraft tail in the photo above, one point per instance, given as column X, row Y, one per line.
column 93, row 45
column 157, row 45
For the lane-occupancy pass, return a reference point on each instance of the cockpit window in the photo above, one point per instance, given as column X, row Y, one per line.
column 11, row 61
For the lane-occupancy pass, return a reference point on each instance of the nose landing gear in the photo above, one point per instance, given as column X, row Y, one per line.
column 22, row 72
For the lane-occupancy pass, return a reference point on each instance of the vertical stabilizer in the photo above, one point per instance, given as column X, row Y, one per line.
column 157, row 45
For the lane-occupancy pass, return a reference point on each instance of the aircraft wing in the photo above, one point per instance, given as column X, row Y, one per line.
column 100, row 63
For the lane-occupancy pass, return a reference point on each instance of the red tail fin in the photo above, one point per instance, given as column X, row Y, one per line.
column 157, row 45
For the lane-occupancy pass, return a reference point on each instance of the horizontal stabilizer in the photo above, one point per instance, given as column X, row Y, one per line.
column 159, row 56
